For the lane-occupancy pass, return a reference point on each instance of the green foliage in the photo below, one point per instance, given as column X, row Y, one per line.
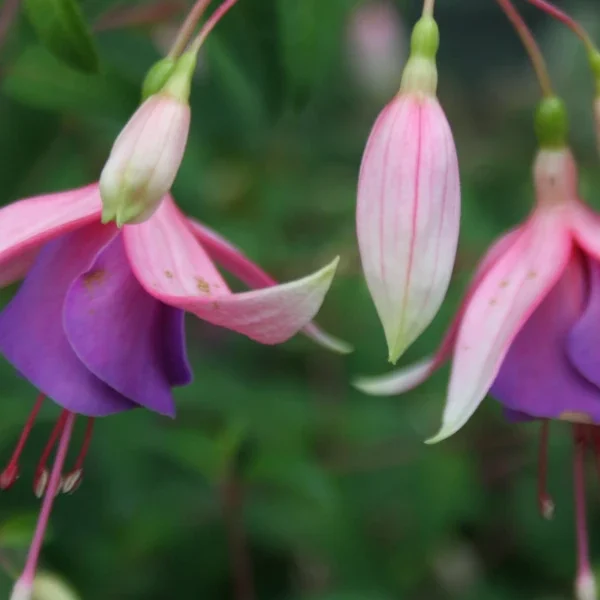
column 61, row 27
column 337, row 495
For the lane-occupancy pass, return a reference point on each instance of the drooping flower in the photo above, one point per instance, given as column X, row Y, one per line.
column 408, row 207
column 527, row 330
column 97, row 324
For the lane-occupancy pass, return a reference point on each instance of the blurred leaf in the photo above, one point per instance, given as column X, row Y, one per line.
column 40, row 80
column 61, row 27
column 298, row 477
column 242, row 92
column 310, row 37
column 16, row 532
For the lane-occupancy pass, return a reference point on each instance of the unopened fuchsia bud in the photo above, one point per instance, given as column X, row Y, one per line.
column 147, row 154
column 408, row 208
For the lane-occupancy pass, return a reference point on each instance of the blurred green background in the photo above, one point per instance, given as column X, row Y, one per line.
column 278, row 480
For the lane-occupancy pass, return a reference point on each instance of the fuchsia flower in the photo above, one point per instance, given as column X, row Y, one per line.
column 408, row 207
column 97, row 324
column 528, row 328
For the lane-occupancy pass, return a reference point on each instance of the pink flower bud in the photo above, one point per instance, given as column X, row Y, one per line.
column 146, row 156
column 377, row 47
column 408, row 215
column 144, row 160
column 408, row 207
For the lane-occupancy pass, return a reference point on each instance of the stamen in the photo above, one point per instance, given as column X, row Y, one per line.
column 72, row 480
column 545, row 502
column 11, row 471
column 25, row 582
column 41, row 473
column 585, row 585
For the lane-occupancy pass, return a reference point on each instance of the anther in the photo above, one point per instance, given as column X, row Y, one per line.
column 40, row 480
column 72, row 480
column 11, row 472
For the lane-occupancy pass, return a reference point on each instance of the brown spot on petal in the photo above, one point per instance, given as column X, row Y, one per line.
column 493, row 302
column 575, row 417
column 94, row 278
column 168, row 274
column 216, row 305
column 504, row 283
column 531, row 275
column 202, row 285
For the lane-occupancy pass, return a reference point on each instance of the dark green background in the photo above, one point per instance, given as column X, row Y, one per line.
column 338, row 497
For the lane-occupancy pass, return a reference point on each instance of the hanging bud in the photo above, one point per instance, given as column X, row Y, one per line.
column 146, row 155
column 408, row 207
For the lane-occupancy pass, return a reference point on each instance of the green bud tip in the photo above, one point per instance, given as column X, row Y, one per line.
column 594, row 58
column 179, row 82
column 551, row 123
column 425, row 39
column 157, row 76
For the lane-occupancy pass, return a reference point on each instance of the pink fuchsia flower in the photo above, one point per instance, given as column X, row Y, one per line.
column 527, row 330
column 97, row 324
column 408, row 208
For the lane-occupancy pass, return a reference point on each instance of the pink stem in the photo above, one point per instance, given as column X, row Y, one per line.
column 185, row 33
column 211, row 22
column 28, row 574
column 565, row 19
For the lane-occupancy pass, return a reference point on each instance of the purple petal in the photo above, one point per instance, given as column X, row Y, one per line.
column 176, row 364
column 32, row 337
column 583, row 342
column 537, row 377
column 118, row 330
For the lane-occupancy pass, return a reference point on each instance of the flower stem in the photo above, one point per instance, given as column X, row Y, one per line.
column 210, row 24
column 241, row 567
column 563, row 17
column 428, row 8
column 187, row 29
column 28, row 575
column 531, row 46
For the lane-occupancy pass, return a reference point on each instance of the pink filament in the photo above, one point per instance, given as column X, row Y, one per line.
column 14, row 459
column 583, row 561
column 545, row 502
column 28, row 574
